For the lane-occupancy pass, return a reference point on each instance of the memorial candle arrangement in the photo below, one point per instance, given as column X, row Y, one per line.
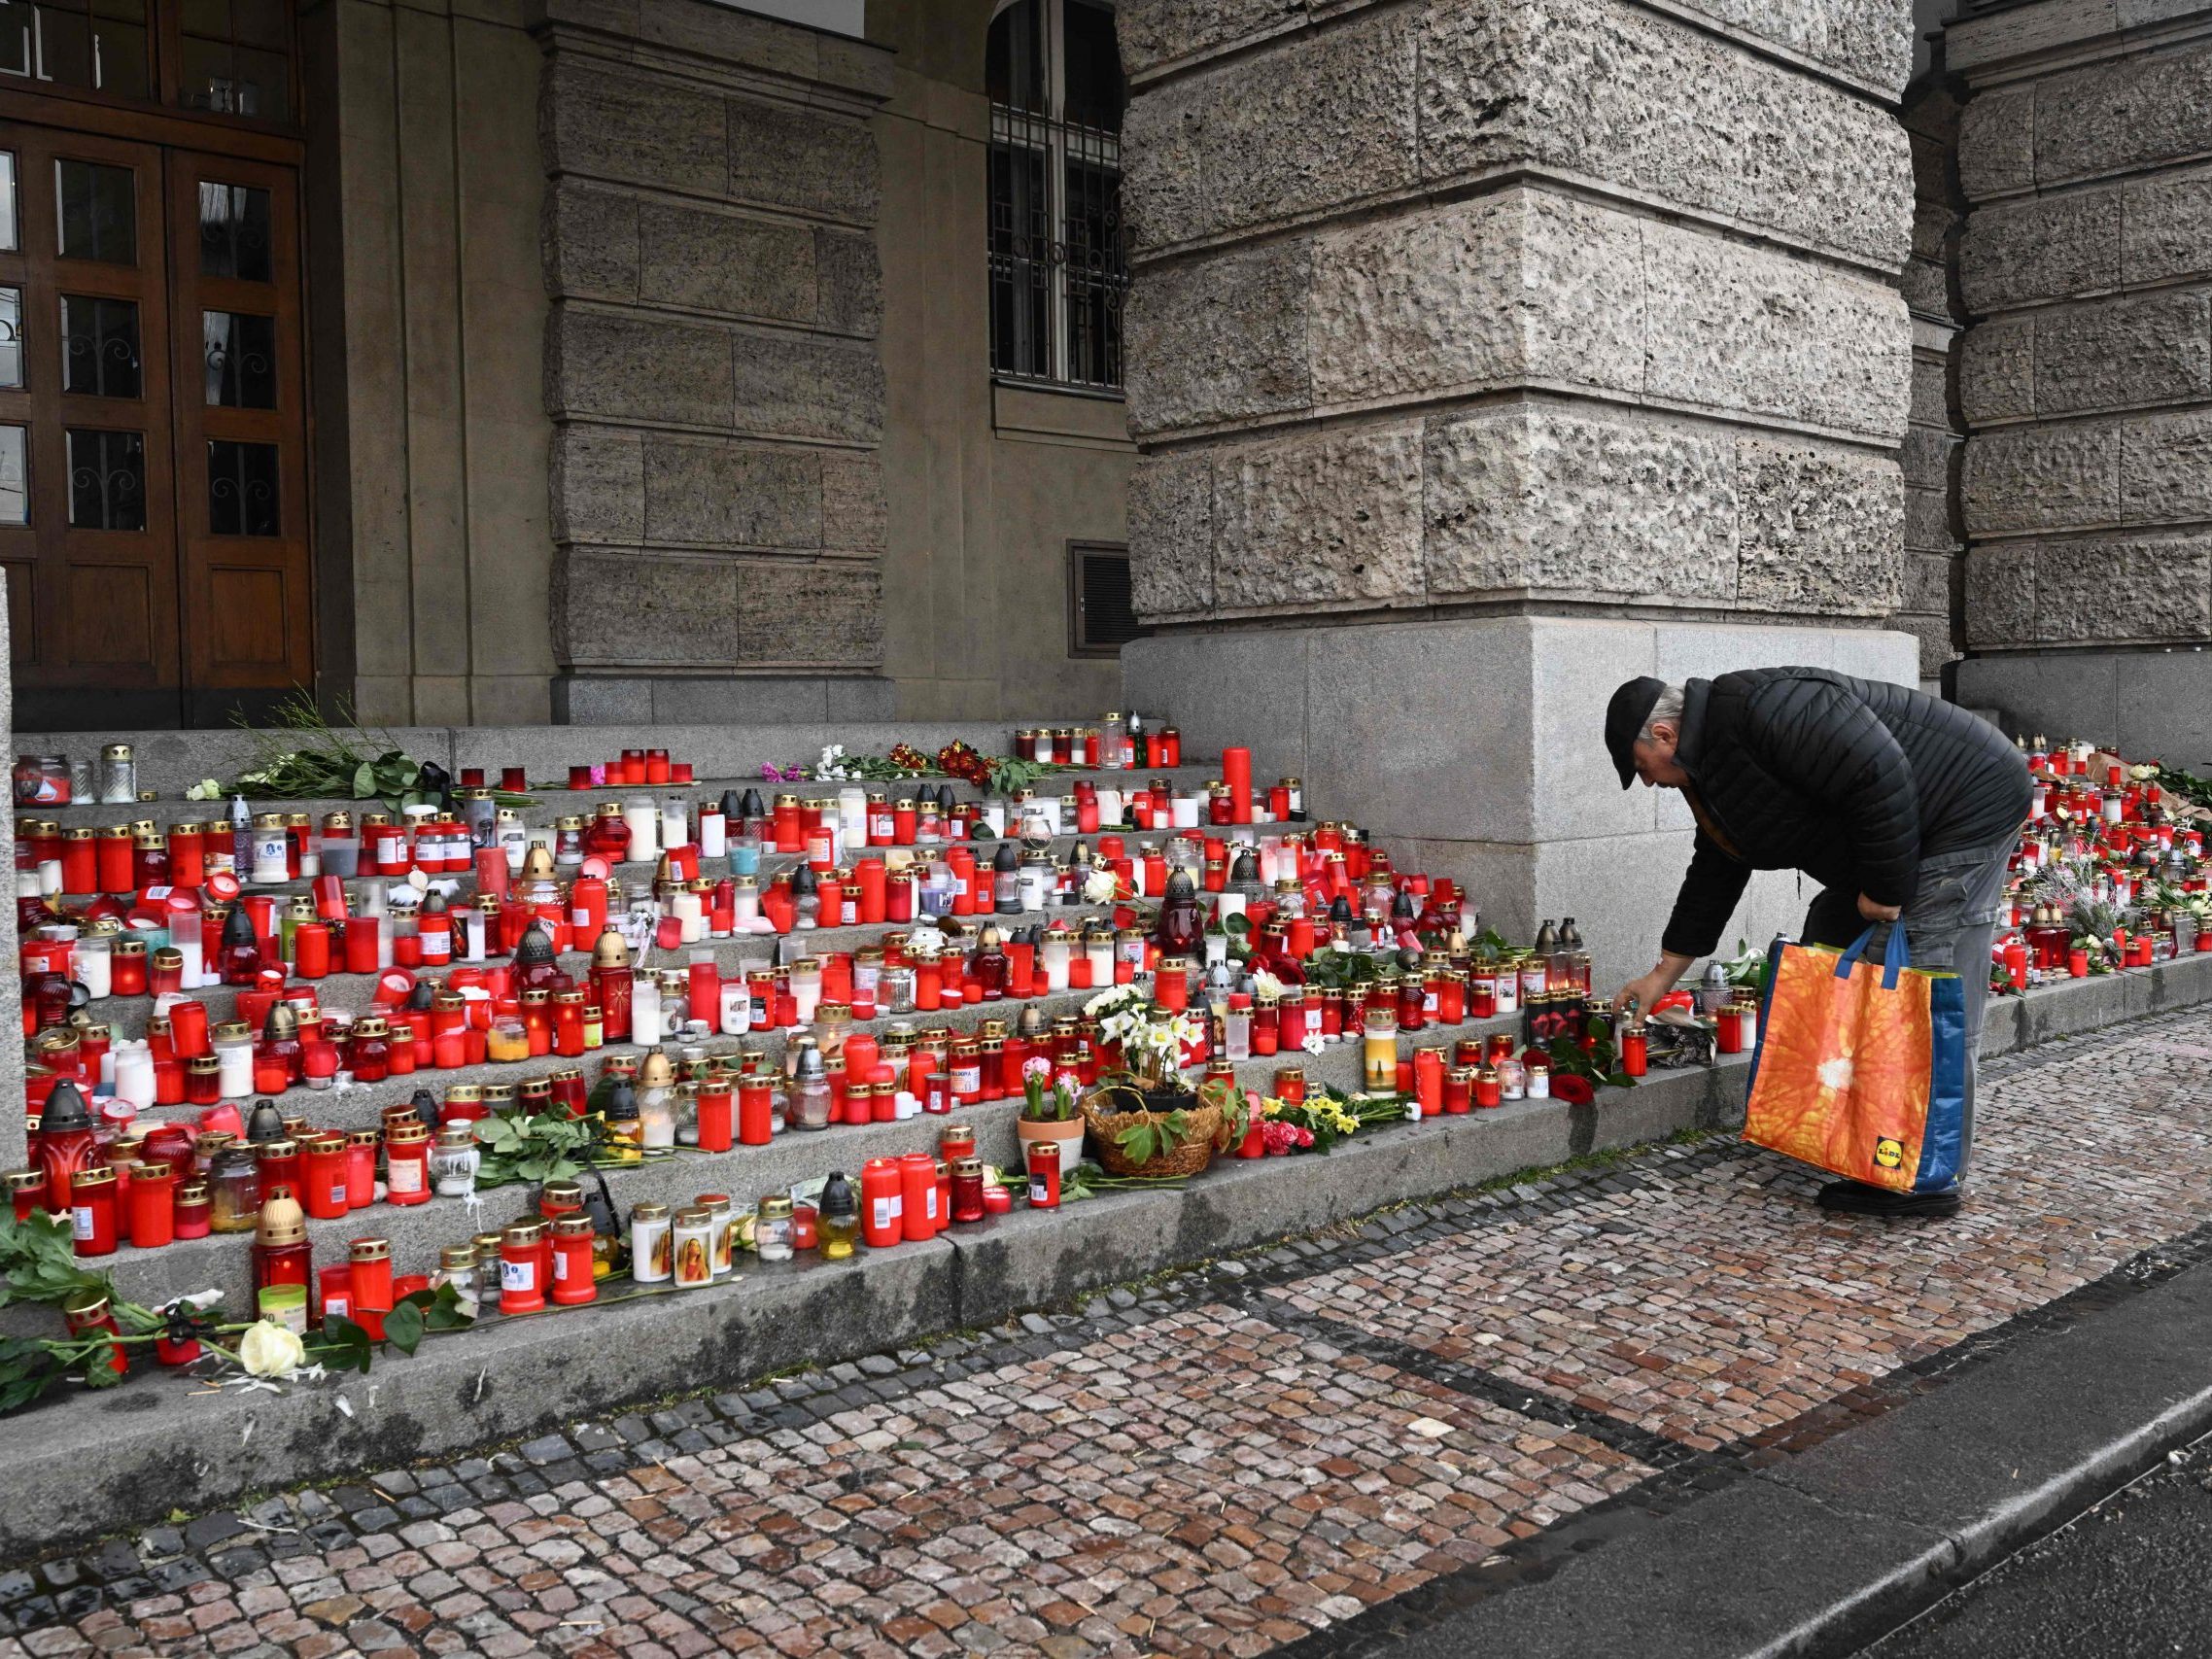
column 280, row 1023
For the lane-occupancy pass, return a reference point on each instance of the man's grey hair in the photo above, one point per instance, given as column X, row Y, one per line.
column 1668, row 709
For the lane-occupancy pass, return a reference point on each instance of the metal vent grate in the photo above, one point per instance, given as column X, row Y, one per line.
column 1102, row 616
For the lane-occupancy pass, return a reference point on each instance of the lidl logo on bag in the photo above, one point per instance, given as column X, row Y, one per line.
column 1888, row 1154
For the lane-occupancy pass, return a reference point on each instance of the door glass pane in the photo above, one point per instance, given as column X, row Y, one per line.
column 107, row 480
column 242, row 489
column 17, row 26
column 233, row 231
column 11, row 336
column 8, row 237
column 241, row 358
column 99, row 218
column 64, row 42
column 99, row 346
column 118, row 57
column 14, row 476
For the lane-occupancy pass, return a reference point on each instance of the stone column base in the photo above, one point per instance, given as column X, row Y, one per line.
column 1475, row 748
column 749, row 700
column 2152, row 705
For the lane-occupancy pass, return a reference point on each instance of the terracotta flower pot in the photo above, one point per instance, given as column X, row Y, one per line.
column 1068, row 1136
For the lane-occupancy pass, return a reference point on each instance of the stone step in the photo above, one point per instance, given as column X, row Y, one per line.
column 360, row 1105
column 555, row 800
column 82, row 1463
column 171, row 762
column 418, row 1230
column 126, row 1016
column 636, row 875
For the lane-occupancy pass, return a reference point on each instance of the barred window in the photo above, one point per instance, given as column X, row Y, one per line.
column 1058, row 260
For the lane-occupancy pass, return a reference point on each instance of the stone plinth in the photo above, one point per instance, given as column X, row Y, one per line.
column 2086, row 380
column 1473, row 746
column 711, row 365
column 1458, row 326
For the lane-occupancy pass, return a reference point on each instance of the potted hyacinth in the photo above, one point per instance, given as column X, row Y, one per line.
column 1048, row 1113
column 1143, row 1117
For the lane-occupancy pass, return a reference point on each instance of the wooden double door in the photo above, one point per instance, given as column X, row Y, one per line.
column 154, row 513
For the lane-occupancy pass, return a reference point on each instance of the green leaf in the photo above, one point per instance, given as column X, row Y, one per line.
column 365, row 780
column 100, row 1366
column 1599, row 1027
column 403, row 1327
column 1236, row 926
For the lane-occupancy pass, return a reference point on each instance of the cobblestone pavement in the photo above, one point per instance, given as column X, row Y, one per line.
column 1312, row 1446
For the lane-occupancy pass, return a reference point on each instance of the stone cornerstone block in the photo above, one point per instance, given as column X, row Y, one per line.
column 609, row 123
column 2000, row 597
column 2165, row 468
column 1318, row 519
column 854, row 515
column 1318, row 121
column 636, row 367
column 2028, row 478
column 1740, row 328
column 813, row 160
column 1869, row 40
column 589, row 242
column 1997, row 369
column 693, row 258
column 2039, row 249
column 709, row 493
column 1172, row 537
column 2117, row 591
column 1997, row 142
column 808, row 386
column 2123, row 352
column 2129, row 113
column 1530, row 499
column 1518, row 289
column 2167, row 225
column 1605, row 89
column 597, row 485
column 1524, row 286
column 809, row 615
column 1821, row 530
column 1153, row 32
column 643, row 609
column 1219, row 337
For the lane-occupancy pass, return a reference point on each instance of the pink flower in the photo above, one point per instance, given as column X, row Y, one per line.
column 1280, row 1138
column 1036, row 1066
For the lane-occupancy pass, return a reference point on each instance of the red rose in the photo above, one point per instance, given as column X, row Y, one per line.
column 1574, row 1091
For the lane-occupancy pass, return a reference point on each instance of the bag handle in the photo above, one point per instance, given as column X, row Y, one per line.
column 1896, row 957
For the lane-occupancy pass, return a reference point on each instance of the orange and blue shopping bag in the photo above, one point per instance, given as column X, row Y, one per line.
column 1861, row 1069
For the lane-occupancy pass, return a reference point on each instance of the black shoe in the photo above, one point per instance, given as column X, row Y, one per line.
column 1855, row 1198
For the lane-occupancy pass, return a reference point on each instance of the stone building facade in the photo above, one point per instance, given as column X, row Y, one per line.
column 2086, row 377
column 635, row 363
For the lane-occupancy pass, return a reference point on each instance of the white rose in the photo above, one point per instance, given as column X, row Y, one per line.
column 1099, row 886
column 270, row 1350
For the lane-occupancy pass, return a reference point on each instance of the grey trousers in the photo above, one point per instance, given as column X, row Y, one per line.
column 1951, row 924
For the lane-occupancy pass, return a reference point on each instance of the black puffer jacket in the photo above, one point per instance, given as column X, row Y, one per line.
column 1852, row 781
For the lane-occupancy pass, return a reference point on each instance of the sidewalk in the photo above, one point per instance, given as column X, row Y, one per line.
column 1513, row 1417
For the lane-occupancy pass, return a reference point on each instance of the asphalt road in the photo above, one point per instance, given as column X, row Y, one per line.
column 2129, row 1579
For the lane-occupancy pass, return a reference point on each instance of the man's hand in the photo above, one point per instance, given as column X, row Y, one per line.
column 1646, row 991
column 1871, row 911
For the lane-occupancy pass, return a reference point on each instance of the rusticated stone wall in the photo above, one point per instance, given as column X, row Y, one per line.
column 1550, row 301
column 2086, row 378
column 1484, row 353
column 710, row 363
column 1934, row 546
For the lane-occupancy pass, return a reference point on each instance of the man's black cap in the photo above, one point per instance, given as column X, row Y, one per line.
column 1625, row 715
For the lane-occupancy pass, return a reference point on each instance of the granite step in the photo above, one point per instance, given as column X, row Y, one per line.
column 418, row 1230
